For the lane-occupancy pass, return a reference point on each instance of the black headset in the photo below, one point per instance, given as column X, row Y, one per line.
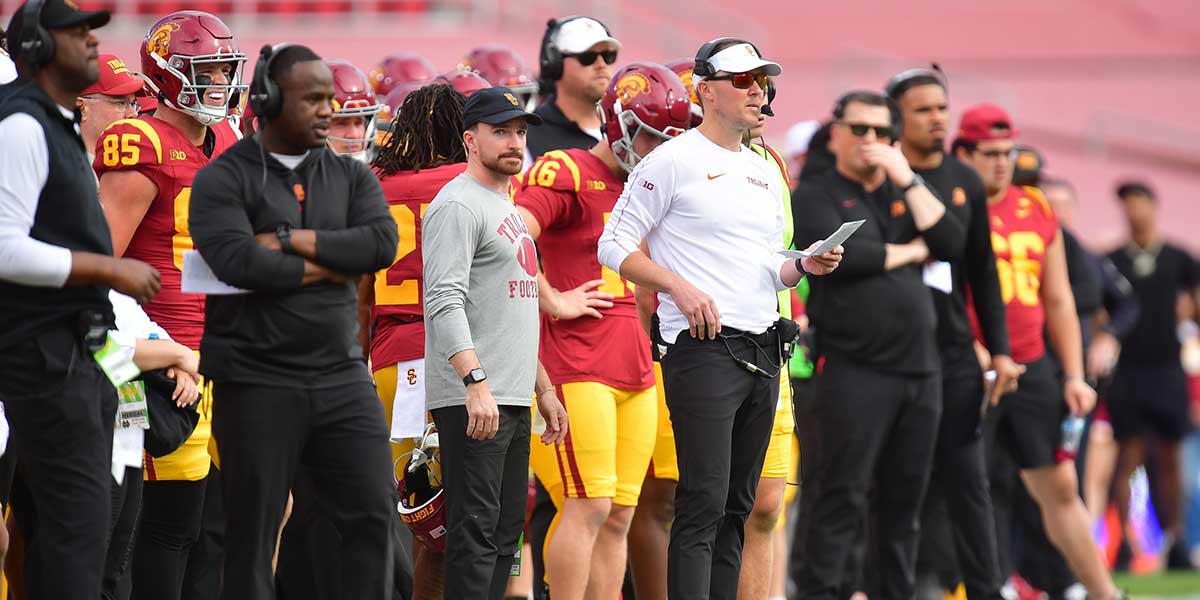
column 550, row 58
column 266, row 99
column 839, row 109
column 899, row 81
column 702, row 67
column 35, row 45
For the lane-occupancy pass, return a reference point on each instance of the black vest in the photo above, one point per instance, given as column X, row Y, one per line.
column 68, row 215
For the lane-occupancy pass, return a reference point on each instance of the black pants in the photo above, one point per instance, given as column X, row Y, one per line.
column 170, row 524
column 339, row 434
column 961, row 478
column 126, row 507
column 722, row 417
column 61, row 409
column 487, row 488
column 873, row 430
column 309, row 562
column 202, row 579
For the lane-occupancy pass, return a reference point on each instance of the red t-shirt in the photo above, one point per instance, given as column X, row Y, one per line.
column 571, row 194
column 398, row 310
column 160, row 151
column 1023, row 227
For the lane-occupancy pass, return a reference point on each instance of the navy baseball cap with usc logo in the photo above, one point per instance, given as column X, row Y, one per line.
column 984, row 122
column 496, row 105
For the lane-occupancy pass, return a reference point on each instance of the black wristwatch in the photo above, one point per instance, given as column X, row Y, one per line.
column 284, row 233
column 475, row 376
column 916, row 180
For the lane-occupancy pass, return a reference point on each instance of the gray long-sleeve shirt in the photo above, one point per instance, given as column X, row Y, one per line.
column 480, row 293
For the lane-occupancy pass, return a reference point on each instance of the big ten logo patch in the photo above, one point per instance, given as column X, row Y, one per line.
column 178, row 155
column 411, row 377
column 595, row 185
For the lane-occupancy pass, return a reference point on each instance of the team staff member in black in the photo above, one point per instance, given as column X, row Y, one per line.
column 1148, row 397
column 878, row 395
column 280, row 215
column 708, row 208
column 576, row 58
column 960, row 470
column 56, row 267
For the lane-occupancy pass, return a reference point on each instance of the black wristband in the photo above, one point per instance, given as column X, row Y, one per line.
column 800, row 267
column 284, row 233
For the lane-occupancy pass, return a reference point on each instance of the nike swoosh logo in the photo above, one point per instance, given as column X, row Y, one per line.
column 712, row 177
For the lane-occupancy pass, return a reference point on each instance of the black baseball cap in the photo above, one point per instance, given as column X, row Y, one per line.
column 495, row 105
column 57, row 14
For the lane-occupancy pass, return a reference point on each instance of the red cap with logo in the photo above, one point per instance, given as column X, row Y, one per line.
column 115, row 79
column 984, row 122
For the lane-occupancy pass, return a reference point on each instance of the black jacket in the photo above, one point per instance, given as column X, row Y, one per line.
column 285, row 333
column 556, row 132
column 861, row 311
column 961, row 190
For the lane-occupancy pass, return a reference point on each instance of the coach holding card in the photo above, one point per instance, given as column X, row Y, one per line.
column 708, row 209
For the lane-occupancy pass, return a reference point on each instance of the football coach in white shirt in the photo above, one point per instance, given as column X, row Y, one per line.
column 708, row 210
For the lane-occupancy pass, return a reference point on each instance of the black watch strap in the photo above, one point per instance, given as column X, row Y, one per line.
column 284, row 233
column 800, row 267
column 474, row 376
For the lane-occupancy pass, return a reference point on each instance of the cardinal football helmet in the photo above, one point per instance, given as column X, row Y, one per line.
column 398, row 69
column 175, row 46
column 501, row 66
column 643, row 98
column 353, row 97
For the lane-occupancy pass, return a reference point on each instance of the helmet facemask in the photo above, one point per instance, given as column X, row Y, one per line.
column 631, row 126
column 359, row 109
column 192, row 91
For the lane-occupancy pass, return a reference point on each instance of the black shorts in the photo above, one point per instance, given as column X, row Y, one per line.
column 1149, row 399
column 1028, row 422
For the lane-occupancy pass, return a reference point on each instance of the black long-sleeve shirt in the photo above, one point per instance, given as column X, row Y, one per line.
column 961, row 190
column 863, row 311
column 286, row 333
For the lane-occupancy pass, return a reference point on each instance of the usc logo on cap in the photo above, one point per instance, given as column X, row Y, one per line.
column 631, row 85
column 512, row 99
column 159, row 39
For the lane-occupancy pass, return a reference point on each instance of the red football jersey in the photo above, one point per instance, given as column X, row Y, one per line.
column 160, row 151
column 1023, row 227
column 398, row 310
column 571, row 194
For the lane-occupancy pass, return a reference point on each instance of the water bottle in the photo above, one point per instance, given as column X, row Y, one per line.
column 1072, row 436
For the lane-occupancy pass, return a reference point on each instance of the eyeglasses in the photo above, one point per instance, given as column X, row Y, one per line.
column 1011, row 155
column 587, row 58
column 743, row 81
column 121, row 103
column 861, row 129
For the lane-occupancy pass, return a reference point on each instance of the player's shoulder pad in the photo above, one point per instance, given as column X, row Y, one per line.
column 129, row 142
column 1036, row 195
column 556, row 170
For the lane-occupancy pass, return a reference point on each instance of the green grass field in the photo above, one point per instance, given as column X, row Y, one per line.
column 1174, row 585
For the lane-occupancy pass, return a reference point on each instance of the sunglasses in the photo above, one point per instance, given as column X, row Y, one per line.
column 860, row 129
column 743, row 81
column 588, row 58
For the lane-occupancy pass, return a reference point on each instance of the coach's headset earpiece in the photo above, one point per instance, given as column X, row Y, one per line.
column 550, row 58
column 702, row 68
column 35, row 45
column 839, row 110
column 266, row 99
